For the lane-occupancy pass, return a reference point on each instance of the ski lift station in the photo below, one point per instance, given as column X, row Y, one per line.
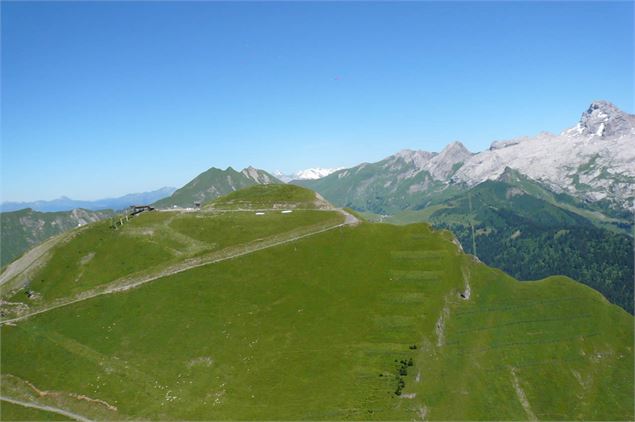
column 136, row 209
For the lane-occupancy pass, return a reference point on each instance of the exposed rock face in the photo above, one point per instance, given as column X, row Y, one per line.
column 605, row 120
column 439, row 165
column 594, row 159
column 259, row 176
column 444, row 164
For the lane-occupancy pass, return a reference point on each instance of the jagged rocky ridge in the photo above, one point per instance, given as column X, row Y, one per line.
column 594, row 160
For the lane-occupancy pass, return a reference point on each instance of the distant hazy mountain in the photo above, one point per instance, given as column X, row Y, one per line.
column 307, row 174
column 214, row 183
column 67, row 204
column 23, row 229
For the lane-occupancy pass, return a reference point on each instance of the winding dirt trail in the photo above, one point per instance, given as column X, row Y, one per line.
column 130, row 282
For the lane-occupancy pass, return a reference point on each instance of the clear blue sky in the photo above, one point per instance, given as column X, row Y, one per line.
column 103, row 99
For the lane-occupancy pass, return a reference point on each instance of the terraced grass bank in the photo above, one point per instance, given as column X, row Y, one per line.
column 365, row 322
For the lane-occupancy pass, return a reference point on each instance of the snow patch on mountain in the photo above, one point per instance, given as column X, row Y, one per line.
column 315, row 173
column 307, row 174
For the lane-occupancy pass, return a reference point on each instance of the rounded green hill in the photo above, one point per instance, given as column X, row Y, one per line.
column 270, row 197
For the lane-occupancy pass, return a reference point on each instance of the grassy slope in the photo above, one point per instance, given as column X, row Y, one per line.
column 99, row 254
column 209, row 185
column 15, row 412
column 23, row 229
column 314, row 329
column 550, row 239
column 265, row 197
column 373, row 188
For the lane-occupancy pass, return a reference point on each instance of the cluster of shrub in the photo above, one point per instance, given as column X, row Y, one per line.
column 402, row 371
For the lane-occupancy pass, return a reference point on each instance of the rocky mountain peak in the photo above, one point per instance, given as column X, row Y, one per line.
column 455, row 148
column 605, row 120
column 445, row 163
column 257, row 176
column 418, row 158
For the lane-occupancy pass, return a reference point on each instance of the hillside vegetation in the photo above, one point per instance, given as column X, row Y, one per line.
column 364, row 322
column 100, row 257
column 518, row 225
column 517, row 228
column 23, row 229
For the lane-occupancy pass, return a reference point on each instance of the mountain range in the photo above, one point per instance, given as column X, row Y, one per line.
column 67, row 204
column 269, row 302
column 551, row 204
column 593, row 161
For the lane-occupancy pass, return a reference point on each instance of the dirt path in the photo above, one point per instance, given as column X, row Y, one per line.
column 128, row 283
column 46, row 408
column 349, row 219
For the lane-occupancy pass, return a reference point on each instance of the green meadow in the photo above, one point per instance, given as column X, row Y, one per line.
column 100, row 254
column 16, row 412
column 268, row 196
column 362, row 322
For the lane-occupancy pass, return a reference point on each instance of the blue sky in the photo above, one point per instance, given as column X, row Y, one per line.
column 103, row 99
